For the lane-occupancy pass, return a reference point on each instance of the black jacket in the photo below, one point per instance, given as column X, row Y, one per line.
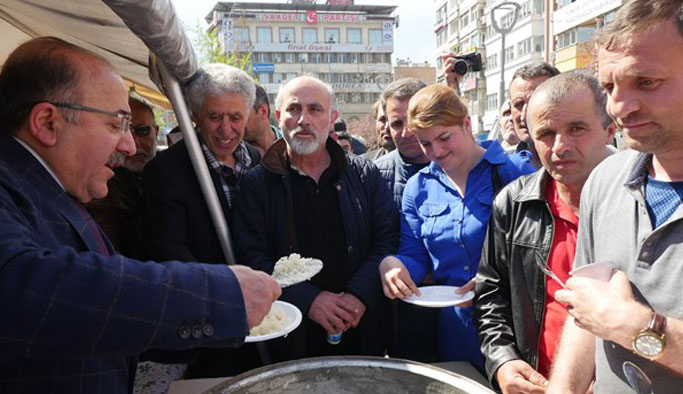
column 263, row 226
column 510, row 289
column 178, row 223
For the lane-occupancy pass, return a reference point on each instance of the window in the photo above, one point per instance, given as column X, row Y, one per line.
column 354, row 58
column 287, row 35
column 441, row 37
column 441, row 15
column 524, row 47
column 316, row 58
column 264, row 35
column 375, row 36
column 241, row 34
column 474, row 13
column 464, row 19
column 277, row 58
column 509, row 53
column 278, row 77
column 329, row 57
column 566, row 39
column 539, row 44
column 353, row 36
column 341, row 58
column 303, row 58
column 290, row 57
column 310, row 35
column 491, row 101
column 526, row 10
column 264, row 78
column 332, row 36
column 263, row 57
column 492, row 61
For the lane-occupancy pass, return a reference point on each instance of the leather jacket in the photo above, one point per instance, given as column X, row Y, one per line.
column 510, row 289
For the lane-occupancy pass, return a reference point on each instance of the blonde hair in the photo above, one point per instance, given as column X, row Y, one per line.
column 435, row 105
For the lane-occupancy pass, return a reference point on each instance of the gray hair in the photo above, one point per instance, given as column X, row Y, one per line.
column 533, row 70
column 401, row 89
column 279, row 98
column 217, row 79
column 557, row 88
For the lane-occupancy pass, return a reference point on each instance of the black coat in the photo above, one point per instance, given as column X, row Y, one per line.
column 263, row 230
column 178, row 223
column 178, row 226
column 510, row 288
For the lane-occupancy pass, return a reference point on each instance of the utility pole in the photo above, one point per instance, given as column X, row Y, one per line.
column 503, row 30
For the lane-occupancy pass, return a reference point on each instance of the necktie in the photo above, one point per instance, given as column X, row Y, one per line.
column 94, row 229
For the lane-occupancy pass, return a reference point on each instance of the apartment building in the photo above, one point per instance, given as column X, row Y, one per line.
column 574, row 25
column 347, row 45
column 460, row 28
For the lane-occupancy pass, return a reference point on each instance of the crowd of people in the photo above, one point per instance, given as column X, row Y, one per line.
column 113, row 279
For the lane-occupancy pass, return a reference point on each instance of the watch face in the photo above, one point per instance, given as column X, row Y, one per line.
column 648, row 345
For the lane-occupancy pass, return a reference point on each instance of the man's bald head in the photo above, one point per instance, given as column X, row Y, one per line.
column 43, row 69
column 304, row 80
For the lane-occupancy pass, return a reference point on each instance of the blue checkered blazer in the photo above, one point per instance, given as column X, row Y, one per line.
column 73, row 320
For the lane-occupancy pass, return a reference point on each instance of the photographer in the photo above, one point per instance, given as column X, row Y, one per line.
column 453, row 75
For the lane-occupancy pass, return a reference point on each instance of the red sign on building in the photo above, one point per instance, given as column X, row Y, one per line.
column 311, row 17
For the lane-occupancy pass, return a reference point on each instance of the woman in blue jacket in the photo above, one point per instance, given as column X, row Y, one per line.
column 445, row 211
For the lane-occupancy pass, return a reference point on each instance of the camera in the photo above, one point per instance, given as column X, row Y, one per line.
column 467, row 62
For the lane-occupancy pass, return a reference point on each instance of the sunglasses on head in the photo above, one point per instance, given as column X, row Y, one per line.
column 142, row 130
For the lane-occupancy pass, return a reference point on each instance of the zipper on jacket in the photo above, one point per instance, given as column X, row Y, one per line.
column 545, row 290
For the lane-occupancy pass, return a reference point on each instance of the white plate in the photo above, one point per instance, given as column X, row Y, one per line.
column 439, row 297
column 293, row 316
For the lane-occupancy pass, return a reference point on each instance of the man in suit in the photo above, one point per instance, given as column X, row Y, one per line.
column 178, row 222
column 75, row 315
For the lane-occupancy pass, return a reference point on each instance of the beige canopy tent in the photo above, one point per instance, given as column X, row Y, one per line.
column 87, row 23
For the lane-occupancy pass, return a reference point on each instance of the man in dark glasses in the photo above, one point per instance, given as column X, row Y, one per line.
column 145, row 131
column 121, row 212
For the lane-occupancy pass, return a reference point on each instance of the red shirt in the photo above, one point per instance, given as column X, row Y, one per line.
column 560, row 262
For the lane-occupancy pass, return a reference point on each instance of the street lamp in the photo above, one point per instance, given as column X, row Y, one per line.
column 503, row 30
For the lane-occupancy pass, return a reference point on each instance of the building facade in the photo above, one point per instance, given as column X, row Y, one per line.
column 349, row 46
column 422, row 71
column 574, row 25
column 460, row 29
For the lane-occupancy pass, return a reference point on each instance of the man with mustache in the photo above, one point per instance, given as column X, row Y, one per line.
column 76, row 315
column 524, row 81
column 178, row 224
column 308, row 197
column 121, row 213
column 535, row 218
column 633, row 217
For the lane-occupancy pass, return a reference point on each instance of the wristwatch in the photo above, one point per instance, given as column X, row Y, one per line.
column 650, row 341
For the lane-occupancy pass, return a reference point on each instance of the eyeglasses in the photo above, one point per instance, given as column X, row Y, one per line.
column 142, row 130
column 121, row 114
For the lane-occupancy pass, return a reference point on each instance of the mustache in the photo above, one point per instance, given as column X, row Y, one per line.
column 116, row 160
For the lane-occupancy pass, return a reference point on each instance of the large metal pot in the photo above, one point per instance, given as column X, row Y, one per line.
column 350, row 374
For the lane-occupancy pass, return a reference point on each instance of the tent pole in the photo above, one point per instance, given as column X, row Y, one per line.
column 175, row 95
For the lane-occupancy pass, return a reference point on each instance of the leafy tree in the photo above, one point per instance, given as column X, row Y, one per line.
column 209, row 49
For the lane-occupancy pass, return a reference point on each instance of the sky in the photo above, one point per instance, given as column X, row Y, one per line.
column 413, row 39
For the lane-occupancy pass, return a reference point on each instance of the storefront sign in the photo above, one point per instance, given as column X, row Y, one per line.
column 322, row 48
column 581, row 11
column 310, row 17
column 263, row 68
